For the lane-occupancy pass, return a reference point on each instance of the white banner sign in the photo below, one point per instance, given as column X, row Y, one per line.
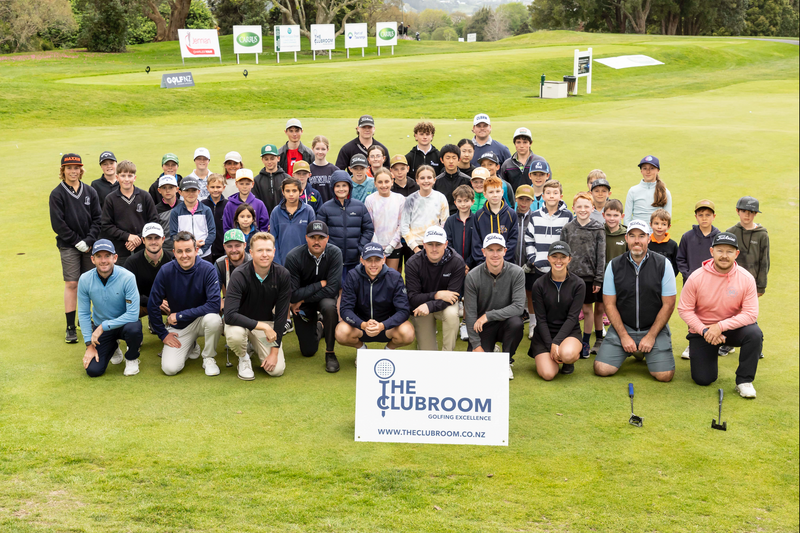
column 247, row 40
column 386, row 34
column 582, row 68
column 628, row 61
column 323, row 37
column 432, row 397
column 355, row 35
column 287, row 38
column 472, row 37
column 199, row 43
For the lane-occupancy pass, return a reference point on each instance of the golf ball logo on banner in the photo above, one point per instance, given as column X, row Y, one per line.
column 323, row 37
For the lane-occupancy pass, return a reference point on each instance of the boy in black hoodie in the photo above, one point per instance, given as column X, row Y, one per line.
column 451, row 177
column 267, row 186
column 424, row 153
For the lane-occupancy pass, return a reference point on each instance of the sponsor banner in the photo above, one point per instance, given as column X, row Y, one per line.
column 247, row 40
column 355, row 35
column 287, row 38
column 323, row 37
column 386, row 34
column 472, row 37
column 628, row 61
column 432, row 397
column 199, row 43
column 177, row 79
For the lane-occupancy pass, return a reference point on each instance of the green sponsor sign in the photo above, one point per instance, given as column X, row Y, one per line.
column 248, row 38
column 387, row 34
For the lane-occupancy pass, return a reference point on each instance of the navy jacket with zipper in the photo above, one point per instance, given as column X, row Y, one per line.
column 349, row 224
column 504, row 222
column 459, row 235
column 557, row 310
column 693, row 249
column 383, row 299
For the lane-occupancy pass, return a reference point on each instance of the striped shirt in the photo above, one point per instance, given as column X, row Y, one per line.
column 542, row 231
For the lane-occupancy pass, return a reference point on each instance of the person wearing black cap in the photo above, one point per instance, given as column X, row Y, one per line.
column 557, row 300
column 75, row 214
column 361, row 144
column 649, row 194
column 719, row 303
column 374, row 304
column 754, row 239
column 107, row 183
column 316, row 271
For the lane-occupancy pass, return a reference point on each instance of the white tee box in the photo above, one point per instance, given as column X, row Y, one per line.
column 554, row 89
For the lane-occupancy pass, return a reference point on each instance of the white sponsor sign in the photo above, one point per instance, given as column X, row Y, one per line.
column 386, row 34
column 355, row 35
column 199, row 43
column 629, row 61
column 472, row 37
column 247, row 40
column 323, row 37
column 582, row 68
column 287, row 38
column 432, row 397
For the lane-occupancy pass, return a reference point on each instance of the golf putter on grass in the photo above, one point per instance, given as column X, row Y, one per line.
column 634, row 420
column 722, row 425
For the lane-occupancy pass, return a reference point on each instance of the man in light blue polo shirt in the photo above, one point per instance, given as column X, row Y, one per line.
column 108, row 307
column 639, row 297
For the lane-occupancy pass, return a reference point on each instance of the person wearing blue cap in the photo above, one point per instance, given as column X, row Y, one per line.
column 649, row 194
column 108, row 308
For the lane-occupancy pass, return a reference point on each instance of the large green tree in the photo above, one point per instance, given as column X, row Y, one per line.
column 23, row 21
column 230, row 13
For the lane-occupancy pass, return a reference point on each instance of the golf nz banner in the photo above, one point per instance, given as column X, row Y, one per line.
column 386, row 34
column 247, row 40
column 323, row 37
column 355, row 35
column 432, row 397
column 287, row 39
column 199, row 43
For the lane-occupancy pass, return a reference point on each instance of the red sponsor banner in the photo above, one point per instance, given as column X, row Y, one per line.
column 199, row 43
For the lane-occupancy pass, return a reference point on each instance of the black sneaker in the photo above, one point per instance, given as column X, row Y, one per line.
column 289, row 327
column 585, row 351
column 567, row 369
column 150, row 328
column 331, row 363
column 525, row 316
column 72, row 335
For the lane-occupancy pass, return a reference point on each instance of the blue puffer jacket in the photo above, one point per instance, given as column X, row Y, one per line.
column 349, row 224
column 384, row 299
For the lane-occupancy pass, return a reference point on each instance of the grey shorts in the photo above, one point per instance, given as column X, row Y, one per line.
column 660, row 358
column 74, row 263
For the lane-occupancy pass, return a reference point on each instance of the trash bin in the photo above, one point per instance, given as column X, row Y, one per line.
column 571, row 81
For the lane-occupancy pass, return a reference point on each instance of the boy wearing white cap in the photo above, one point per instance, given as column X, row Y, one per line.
column 516, row 168
column 482, row 128
column 202, row 157
column 294, row 150
column 145, row 264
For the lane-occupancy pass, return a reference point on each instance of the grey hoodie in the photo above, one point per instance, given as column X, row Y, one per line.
column 588, row 244
column 499, row 298
column 753, row 252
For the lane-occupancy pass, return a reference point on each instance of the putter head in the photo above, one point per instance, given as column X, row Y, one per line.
column 636, row 421
column 721, row 427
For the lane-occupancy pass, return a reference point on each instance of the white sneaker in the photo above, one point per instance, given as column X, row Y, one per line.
column 745, row 390
column 117, row 357
column 195, row 353
column 245, row 369
column 685, row 354
column 531, row 328
column 497, row 349
column 131, row 367
column 462, row 331
column 510, row 373
column 210, row 366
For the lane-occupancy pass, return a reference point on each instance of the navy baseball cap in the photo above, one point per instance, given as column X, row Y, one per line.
column 107, row 155
column 103, row 245
column 726, row 238
column 540, row 165
column 651, row 159
column 372, row 249
column 748, row 203
column 490, row 156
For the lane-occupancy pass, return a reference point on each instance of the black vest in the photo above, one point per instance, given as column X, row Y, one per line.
column 638, row 295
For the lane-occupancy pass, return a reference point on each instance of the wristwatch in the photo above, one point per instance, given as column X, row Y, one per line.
column 705, row 331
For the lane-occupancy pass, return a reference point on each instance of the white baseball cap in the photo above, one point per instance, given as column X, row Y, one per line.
column 202, row 152
column 435, row 234
column 293, row 123
column 523, row 132
column 236, row 157
column 640, row 225
column 494, row 238
column 166, row 179
column 151, row 228
column 481, row 117
column 244, row 173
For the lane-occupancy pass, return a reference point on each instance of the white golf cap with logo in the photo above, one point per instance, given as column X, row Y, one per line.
column 236, row 157
column 152, row 228
column 494, row 238
column 167, row 180
column 641, row 225
column 202, row 152
column 523, row 132
column 293, row 123
column 435, row 234
column 481, row 117
column 244, row 174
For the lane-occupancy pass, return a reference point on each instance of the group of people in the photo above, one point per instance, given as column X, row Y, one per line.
column 380, row 248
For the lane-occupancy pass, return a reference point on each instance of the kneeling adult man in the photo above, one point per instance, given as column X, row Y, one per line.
column 639, row 297
column 191, row 289
column 254, row 290
column 494, row 298
column 374, row 304
column 435, row 277
column 719, row 303
column 108, row 306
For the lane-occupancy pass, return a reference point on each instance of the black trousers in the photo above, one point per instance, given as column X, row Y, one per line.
column 508, row 331
column 131, row 333
column 306, row 327
column 705, row 357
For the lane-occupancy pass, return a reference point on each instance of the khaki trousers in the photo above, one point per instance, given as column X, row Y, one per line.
column 425, row 327
column 238, row 337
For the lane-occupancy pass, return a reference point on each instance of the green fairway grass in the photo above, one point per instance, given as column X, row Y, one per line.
column 191, row 453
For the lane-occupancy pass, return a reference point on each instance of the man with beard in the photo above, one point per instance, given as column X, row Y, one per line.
column 235, row 255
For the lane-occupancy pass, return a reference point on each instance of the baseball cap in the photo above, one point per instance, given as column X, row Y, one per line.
column 358, row 160
column 317, row 227
column 523, row 132
column 301, row 166
column 71, row 159
column 653, row 160
column 366, row 120
column 293, row 123
column 151, row 228
column 490, row 156
column 641, row 225
column 233, row 234
column 107, row 155
column 189, row 183
column 559, row 247
column 169, row 157
column 526, row 191
column 398, row 159
column 166, row 179
column 600, row 183
column 481, row 117
column 372, row 249
column 236, row 157
column 103, row 245
column 244, row 174
column 480, row 173
column 269, row 149
column 494, row 238
column 747, row 203
column 725, row 238
column 707, row 204
column 201, row 152
column 435, row 234
column 540, row 165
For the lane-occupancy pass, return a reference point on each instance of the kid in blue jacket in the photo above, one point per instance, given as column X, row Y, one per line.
column 495, row 217
column 290, row 219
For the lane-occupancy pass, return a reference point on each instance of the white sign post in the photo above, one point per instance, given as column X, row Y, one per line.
column 323, row 37
column 583, row 69
column 355, row 36
column 472, row 37
column 287, row 39
column 199, row 43
column 386, row 35
column 247, row 40
column 432, row 397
